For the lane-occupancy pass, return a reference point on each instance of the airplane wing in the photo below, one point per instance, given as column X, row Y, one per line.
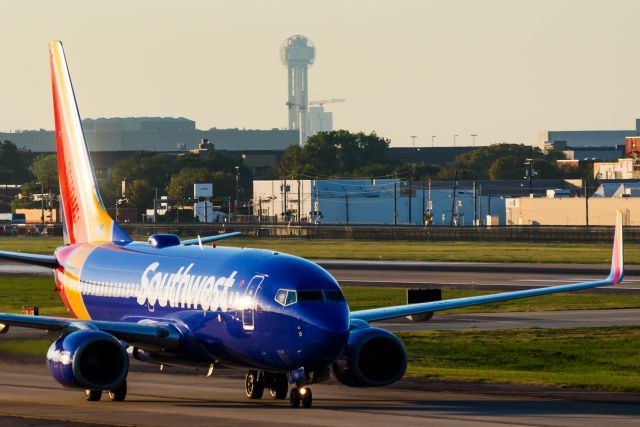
column 615, row 277
column 210, row 238
column 35, row 259
column 144, row 334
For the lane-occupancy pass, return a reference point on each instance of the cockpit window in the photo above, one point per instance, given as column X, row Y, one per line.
column 291, row 297
column 334, row 295
column 281, row 296
column 286, row 297
column 304, row 296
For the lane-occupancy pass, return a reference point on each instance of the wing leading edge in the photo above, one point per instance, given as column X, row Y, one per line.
column 615, row 277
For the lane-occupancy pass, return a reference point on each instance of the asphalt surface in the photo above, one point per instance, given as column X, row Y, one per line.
column 29, row 396
column 488, row 276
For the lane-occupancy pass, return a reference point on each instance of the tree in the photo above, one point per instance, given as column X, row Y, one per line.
column 45, row 169
column 14, row 164
column 140, row 194
column 338, row 152
column 181, row 185
column 507, row 167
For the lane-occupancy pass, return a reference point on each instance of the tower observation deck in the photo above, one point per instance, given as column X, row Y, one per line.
column 297, row 54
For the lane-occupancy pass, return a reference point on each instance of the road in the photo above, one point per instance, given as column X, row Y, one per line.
column 29, row 396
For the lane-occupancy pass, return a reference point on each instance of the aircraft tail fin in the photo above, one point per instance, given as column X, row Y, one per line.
column 84, row 216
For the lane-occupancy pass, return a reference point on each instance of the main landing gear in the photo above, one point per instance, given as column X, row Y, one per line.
column 118, row 394
column 257, row 381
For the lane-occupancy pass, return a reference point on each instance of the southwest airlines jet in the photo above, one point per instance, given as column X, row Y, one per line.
column 168, row 301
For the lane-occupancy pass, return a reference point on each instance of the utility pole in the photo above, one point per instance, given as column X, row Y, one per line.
column 346, row 204
column 480, row 205
column 424, row 207
column 395, row 204
column 453, row 197
column 473, row 135
column 586, row 201
column 155, row 206
column 42, row 202
column 410, row 188
column 299, row 205
column 475, row 204
column 284, row 188
column 235, row 206
column 413, row 139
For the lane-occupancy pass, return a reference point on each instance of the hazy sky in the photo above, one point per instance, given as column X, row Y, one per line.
column 502, row 69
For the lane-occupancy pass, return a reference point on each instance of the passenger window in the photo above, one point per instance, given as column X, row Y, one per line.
column 292, row 298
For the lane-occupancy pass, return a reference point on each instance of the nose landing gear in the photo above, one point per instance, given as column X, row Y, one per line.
column 300, row 395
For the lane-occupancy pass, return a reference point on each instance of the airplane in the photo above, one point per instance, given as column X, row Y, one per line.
column 166, row 301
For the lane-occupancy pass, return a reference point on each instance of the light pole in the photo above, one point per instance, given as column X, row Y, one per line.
column 413, row 140
column 237, row 187
column 433, row 137
column 454, row 139
column 473, row 135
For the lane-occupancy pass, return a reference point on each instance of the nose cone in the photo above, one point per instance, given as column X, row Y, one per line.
column 324, row 333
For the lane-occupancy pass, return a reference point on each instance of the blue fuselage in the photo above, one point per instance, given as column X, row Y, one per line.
column 243, row 307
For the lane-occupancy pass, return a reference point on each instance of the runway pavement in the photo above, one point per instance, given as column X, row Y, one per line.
column 488, row 276
column 29, row 396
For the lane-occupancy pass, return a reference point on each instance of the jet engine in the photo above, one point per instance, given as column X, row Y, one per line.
column 88, row 359
column 373, row 357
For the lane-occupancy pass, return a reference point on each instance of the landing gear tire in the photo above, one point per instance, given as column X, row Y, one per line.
column 253, row 387
column 294, row 398
column 92, row 395
column 119, row 393
column 280, row 387
column 307, row 398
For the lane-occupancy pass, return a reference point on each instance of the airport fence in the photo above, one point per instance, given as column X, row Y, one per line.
column 394, row 233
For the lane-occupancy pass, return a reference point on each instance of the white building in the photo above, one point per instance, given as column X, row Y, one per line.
column 319, row 120
column 622, row 169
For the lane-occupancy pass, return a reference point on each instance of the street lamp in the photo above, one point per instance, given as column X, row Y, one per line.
column 237, row 187
column 473, row 135
column 454, row 139
column 432, row 138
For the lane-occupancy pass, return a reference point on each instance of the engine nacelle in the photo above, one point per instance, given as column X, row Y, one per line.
column 373, row 357
column 88, row 359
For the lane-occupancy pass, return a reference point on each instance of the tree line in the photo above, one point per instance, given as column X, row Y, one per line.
column 359, row 155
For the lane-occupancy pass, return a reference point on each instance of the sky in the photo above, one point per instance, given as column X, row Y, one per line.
column 501, row 69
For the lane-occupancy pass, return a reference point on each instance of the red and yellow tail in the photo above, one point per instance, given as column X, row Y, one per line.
column 84, row 216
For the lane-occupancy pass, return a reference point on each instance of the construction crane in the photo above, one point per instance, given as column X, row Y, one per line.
column 321, row 102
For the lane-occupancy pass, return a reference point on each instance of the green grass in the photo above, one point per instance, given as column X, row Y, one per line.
column 603, row 358
column 18, row 291
column 32, row 347
column 363, row 297
column 588, row 253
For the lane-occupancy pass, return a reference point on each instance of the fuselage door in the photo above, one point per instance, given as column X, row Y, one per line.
column 248, row 313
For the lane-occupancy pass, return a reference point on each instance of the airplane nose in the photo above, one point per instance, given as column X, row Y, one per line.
column 324, row 334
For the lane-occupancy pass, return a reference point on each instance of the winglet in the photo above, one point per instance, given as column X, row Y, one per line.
column 617, row 256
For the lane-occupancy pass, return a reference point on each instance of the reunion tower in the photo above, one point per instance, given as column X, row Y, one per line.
column 297, row 54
